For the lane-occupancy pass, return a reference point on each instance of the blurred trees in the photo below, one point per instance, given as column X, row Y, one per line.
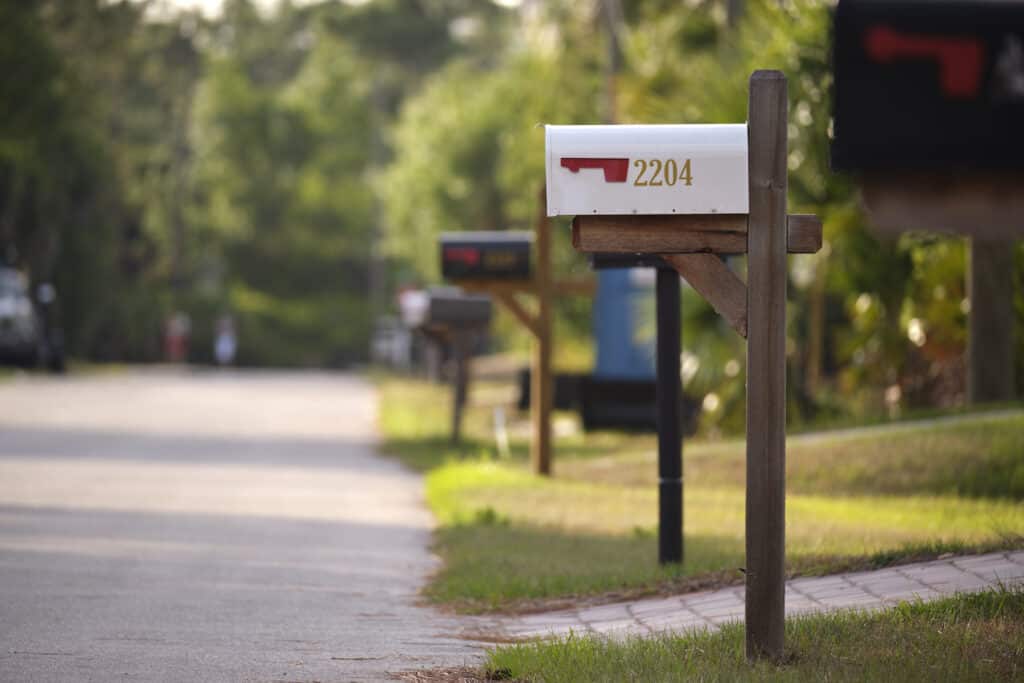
column 875, row 325
column 287, row 167
column 86, row 160
column 152, row 163
column 281, row 192
column 469, row 147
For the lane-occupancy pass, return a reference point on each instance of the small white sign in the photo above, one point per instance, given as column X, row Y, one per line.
column 628, row 169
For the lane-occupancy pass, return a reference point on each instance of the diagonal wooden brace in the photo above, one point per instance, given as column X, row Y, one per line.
column 713, row 280
column 691, row 243
column 511, row 303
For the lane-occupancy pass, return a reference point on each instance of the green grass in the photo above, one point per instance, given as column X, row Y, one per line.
column 974, row 456
column 977, row 637
column 513, row 541
column 509, row 538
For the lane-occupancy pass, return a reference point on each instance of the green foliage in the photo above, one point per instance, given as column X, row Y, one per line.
column 852, row 305
column 977, row 456
column 466, row 160
column 572, row 538
column 286, row 201
column 258, row 162
column 73, row 172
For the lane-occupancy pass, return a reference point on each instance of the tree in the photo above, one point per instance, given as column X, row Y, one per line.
column 285, row 198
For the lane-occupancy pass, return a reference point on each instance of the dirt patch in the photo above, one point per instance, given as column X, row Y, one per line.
column 456, row 675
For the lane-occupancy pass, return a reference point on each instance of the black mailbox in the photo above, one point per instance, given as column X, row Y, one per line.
column 495, row 255
column 445, row 307
column 928, row 85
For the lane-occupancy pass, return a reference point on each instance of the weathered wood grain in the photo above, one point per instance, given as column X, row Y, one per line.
column 990, row 352
column 803, row 233
column 723, row 234
column 766, row 367
column 542, row 383
column 721, row 287
column 670, row 235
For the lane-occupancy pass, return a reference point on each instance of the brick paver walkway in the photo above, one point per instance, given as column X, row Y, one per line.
column 710, row 609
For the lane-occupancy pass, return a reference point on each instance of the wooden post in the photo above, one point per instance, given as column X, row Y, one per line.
column 766, row 366
column 542, row 386
column 990, row 371
column 461, row 351
column 670, row 433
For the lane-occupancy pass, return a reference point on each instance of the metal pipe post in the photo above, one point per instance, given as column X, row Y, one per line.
column 670, row 438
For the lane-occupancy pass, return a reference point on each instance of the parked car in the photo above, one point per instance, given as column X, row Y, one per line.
column 28, row 336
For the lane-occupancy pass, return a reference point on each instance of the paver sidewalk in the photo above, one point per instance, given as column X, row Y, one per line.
column 710, row 609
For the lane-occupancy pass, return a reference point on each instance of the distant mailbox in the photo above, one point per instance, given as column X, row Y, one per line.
column 928, row 85
column 666, row 169
column 447, row 307
column 495, row 255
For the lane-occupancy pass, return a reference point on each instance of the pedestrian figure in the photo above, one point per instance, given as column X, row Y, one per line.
column 225, row 342
column 176, row 334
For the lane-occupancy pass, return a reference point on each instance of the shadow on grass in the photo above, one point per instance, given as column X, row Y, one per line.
column 427, row 453
column 977, row 458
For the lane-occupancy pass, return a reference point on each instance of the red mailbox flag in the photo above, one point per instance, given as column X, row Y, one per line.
column 615, row 170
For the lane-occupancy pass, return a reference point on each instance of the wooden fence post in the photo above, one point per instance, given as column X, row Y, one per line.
column 461, row 345
column 541, row 398
column 990, row 342
column 766, row 366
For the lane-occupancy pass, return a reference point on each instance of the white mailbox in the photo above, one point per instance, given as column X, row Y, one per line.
column 627, row 169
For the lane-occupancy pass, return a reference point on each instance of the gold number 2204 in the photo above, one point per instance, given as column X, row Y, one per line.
column 662, row 172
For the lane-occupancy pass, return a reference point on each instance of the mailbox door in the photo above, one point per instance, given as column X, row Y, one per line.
column 624, row 169
column 928, row 85
column 460, row 310
column 486, row 256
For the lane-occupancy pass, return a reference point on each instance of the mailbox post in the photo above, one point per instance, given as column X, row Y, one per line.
column 692, row 194
column 498, row 263
column 946, row 153
column 454, row 319
column 668, row 398
column 670, row 413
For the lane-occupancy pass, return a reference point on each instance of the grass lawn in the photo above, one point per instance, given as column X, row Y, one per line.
column 513, row 541
column 976, row 637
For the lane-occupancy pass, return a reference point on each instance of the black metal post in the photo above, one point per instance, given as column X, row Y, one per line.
column 461, row 342
column 670, row 436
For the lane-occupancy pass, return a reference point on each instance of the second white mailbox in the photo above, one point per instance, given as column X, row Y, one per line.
column 628, row 169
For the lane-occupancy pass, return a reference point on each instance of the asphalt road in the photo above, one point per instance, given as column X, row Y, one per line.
column 178, row 526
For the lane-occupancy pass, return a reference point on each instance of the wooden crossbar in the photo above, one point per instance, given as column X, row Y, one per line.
column 692, row 244
column 684, row 234
column 717, row 234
